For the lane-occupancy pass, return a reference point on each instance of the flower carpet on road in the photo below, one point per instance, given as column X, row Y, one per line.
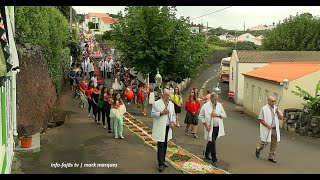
column 179, row 158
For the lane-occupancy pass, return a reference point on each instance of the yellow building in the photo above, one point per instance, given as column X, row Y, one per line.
column 268, row 80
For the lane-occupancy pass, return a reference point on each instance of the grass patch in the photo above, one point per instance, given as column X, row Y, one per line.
column 27, row 155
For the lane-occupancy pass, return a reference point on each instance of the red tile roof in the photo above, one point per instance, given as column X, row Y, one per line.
column 278, row 71
column 108, row 20
column 98, row 15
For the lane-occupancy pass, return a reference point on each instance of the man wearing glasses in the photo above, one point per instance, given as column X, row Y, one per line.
column 163, row 122
column 211, row 115
column 269, row 128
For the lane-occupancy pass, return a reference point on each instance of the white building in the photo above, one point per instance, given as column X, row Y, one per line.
column 262, row 27
column 8, row 110
column 250, row 38
column 244, row 61
column 227, row 37
column 269, row 80
column 103, row 22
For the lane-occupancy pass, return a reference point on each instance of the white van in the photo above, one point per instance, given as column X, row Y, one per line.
column 225, row 69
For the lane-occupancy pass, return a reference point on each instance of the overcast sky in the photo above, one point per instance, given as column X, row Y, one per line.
column 231, row 18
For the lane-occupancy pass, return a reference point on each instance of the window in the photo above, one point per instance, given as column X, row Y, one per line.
column 247, row 36
column 247, row 89
column 94, row 20
column 99, row 19
column 267, row 94
column 259, row 94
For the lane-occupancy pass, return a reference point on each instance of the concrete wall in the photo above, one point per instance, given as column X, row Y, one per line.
column 233, row 71
column 252, row 105
column 307, row 83
column 253, row 101
column 243, row 68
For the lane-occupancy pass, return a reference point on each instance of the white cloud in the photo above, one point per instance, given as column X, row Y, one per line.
column 231, row 18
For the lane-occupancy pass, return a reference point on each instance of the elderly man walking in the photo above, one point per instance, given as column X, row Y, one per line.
column 269, row 128
column 163, row 122
column 211, row 115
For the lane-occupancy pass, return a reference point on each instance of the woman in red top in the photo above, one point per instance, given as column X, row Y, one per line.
column 83, row 87
column 192, row 107
column 88, row 94
column 144, row 95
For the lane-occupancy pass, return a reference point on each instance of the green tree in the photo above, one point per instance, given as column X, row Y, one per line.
column 312, row 102
column 297, row 33
column 47, row 27
column 151, row 37
column 213, row 39
column 91, row 25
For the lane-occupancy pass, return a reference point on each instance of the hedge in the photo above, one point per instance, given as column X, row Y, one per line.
column 47, row 27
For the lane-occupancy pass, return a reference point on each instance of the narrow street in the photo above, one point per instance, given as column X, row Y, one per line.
column 235, row 151
column 80, row 140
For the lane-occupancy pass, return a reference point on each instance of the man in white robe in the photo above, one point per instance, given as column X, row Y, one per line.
column 211, row 115
column 164, row 120
column 101, row 67
column 269, row 128
column 84, row 67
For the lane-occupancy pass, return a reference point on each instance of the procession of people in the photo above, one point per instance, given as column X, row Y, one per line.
column 87, row 80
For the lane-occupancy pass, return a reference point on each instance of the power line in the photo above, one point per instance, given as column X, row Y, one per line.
column 212, row 12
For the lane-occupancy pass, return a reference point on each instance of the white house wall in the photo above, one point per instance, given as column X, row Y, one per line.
column 307, row 83
column 253, row 101
column 243, row 68
column 233, row 72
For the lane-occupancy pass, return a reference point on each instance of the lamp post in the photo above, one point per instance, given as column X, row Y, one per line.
column 285, row 85
column 217, row 89
column 158, row 79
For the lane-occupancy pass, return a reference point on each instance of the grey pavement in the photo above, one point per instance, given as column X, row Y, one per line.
column 81, row 140
column 235, row 151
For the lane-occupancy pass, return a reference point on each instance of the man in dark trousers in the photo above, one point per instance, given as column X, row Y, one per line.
column 163, row 122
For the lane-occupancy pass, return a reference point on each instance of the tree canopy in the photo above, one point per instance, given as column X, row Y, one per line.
column 151, row 37
column 297, row 33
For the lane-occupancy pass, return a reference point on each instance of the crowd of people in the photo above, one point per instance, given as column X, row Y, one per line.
column 105, row 104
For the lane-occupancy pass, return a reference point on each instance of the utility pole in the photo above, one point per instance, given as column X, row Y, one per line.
column 207, row 32
column 71, row 19
column 235, row 45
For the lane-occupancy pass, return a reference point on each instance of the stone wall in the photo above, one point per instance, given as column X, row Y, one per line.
column 295, row 120
column 36, row 95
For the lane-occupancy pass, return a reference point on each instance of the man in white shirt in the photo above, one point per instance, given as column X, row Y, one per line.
column 90, row 68
column 94, row 79
column 101, row 67
column 164, row 120
column 269, row 128
column 84, row 67
column 211, row 115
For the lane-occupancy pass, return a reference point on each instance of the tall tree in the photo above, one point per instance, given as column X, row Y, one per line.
column 151, row 37
column 297, row 33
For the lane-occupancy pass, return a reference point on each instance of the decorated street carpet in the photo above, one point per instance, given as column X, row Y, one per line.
column 179, row 158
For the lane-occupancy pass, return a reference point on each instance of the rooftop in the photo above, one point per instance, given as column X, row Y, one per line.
column 277, row 56
column 278, row 71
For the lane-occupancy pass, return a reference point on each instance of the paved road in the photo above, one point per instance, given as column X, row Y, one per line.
column 235, row 151
column 81, row 140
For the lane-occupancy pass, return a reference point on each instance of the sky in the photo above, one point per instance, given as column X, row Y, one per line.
column 234, row 17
